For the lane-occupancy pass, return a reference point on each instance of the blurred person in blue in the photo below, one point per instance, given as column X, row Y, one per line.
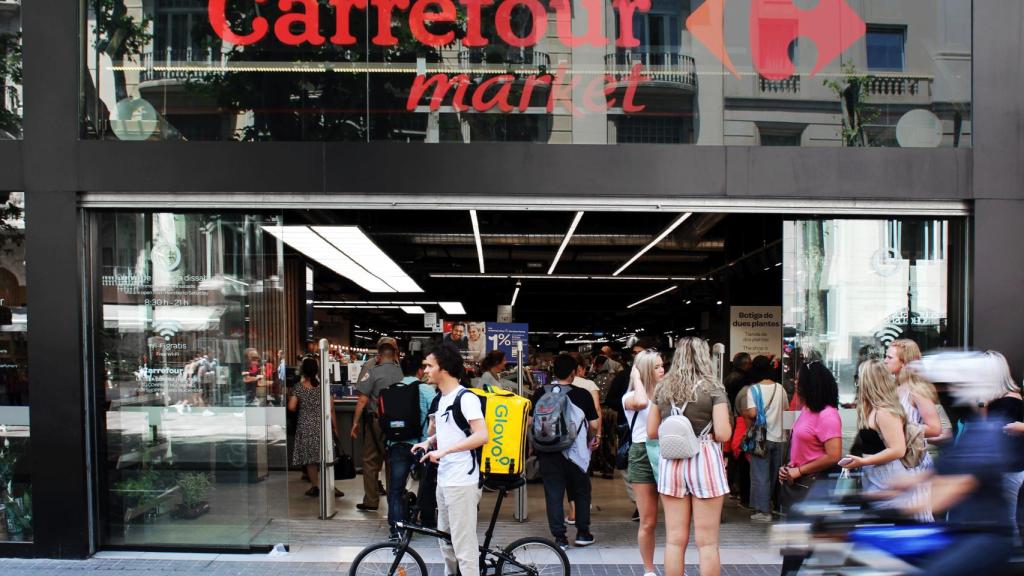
column 967, row 481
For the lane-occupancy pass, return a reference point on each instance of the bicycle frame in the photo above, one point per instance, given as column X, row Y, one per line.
column 485, row 549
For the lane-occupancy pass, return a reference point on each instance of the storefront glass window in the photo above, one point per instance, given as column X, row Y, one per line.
column 866, row 73
column 15, row 448
column 188, row 311
column 851, row 287
column 10, row 71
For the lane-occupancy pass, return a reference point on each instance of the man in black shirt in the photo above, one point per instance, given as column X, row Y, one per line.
column 568, row 469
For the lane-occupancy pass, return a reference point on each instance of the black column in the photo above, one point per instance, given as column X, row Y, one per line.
column 59, row 474
column 998, row 128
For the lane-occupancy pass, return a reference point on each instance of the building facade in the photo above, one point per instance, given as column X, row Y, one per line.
column 137, row 108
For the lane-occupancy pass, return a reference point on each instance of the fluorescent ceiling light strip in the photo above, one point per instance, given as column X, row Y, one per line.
column 565, row 241
column 652, row 297
column 654, row 242
column 475, row 276
column 355, row 244
column 413, row 310
column 514, row 296
column 452, row 307
column 476, row 238
column 315, row 247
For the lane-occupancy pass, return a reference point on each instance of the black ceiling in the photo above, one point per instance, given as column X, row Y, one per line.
column 727, row 254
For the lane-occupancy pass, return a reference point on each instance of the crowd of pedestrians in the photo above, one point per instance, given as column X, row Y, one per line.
column 758, row 434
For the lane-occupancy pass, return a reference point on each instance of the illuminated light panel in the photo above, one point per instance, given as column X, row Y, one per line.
column 316, row 247
column 651, row 297
column 359, row 247
column 515, row 294
column 413, row 310
column 476, row 238
column 654, row 242
column 454, row 308
column 565, row 242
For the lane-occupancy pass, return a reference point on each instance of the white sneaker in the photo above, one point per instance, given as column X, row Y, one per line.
column 654, row 574
column 761, row 517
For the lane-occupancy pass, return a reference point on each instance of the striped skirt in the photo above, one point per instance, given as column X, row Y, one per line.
column 703, row 475
column 878, row 478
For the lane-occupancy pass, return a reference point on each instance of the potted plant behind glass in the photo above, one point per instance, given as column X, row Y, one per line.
column 194, row 487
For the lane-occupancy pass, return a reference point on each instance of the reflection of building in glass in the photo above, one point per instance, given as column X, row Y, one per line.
column 10, row 70
column 848, row 284
column 565, row 84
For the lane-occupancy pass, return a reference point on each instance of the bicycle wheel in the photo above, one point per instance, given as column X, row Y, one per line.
column 534, row 557
column 379, row 560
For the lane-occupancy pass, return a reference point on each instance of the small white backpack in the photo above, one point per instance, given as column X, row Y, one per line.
column 676, row 437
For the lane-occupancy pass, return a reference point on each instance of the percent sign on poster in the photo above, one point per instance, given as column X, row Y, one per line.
column 502, row 336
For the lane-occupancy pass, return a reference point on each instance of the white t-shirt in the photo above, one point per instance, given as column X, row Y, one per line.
column 640, row 428
column 773, row 407
column 456, row 468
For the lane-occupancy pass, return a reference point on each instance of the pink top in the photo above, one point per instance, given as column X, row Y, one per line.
column 811, row 431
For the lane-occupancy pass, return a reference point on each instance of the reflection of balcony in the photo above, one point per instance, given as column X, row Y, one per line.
column 666, row 68
column 513, row 56
column 899, row 88
column 177, row 63
column 785, row 87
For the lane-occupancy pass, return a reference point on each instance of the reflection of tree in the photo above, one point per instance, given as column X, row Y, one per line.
column 10, row 79
column 852, row 90
column 816, row 319
column 117, row 34
column 316, row 105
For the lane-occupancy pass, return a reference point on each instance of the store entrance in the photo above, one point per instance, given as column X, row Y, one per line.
column 593, row 284
column 199, row 322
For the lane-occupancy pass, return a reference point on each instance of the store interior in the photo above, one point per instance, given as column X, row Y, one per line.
column 199, row 309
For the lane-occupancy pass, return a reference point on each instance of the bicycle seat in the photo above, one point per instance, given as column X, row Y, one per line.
column 504, row 482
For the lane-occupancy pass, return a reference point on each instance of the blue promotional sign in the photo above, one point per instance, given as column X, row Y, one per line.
column 501, row 336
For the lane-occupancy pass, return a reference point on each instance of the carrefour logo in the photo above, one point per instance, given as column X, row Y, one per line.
column 833, row 26
column 498, row 434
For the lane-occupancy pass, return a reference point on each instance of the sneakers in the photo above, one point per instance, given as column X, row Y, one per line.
column 761, row 517
column 636, row 514
column 584, row 538
column 570, row 521
column 562, row 542
column 364, row 508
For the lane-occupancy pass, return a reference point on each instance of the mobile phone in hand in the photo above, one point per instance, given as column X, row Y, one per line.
column 846, row 461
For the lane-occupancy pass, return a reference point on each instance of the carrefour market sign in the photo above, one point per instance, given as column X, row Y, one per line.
column 300, row 23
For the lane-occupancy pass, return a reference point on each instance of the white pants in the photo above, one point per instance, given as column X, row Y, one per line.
column 456, row 514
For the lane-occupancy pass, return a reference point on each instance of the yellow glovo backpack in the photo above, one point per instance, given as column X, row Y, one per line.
column 504, row 454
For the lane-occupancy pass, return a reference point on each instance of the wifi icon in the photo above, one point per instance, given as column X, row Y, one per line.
column 167, row 328
column 888, row 334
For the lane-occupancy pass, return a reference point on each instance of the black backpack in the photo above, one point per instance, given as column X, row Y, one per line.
column 461, row 422
column 400, row 418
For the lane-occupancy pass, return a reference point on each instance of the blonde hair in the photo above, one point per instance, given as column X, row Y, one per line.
column 1007, row 383
column 877, row 393
column 644, row 371
column 691, row 373
column 908, row 351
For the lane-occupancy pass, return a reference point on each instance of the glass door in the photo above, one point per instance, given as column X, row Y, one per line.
column 187, row 334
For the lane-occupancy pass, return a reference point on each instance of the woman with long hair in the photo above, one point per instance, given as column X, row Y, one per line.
column 917, row 395
column 648, row 369
column 886, row 442
column 817, row 441
column 305, row 399
column 694, row 486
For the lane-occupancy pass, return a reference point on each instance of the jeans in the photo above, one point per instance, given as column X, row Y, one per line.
column 426, row 500
column 1012, row 483
column 400, row 463
column 764, row 477
column 559, row 475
